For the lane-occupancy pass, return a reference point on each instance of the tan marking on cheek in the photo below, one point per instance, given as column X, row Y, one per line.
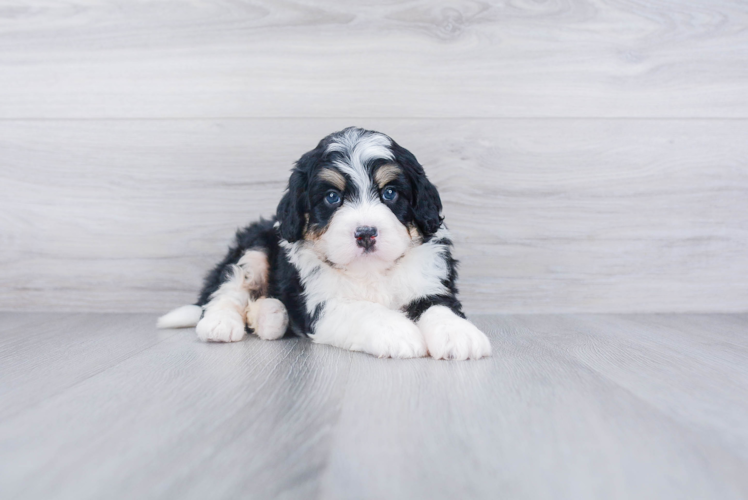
column 414, row 234
column 313, row 233
column 333, row 177
column 386, row 174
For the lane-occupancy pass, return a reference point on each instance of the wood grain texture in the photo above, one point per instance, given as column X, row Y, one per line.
column 547, row 215
column 405, row 58
column 569, row 406
column 169, row 421
column 556, row 413
column 63, row 350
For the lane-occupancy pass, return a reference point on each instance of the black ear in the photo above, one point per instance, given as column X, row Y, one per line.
column 427, row 206
column 293, row 208
column 426, row 203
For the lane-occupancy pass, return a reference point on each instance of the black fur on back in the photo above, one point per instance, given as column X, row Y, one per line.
column 284, row 283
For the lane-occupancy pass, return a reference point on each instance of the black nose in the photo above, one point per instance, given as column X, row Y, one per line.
column 365, row 237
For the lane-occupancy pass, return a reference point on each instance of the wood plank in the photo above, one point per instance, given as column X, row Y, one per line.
column 547, row 215
column 11, row 321
column 50, row 353
column 181, row 419
column 582, row 406
column 405, row 58
column 690, row 368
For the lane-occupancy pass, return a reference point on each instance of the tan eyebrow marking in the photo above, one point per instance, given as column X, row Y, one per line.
column 333, row 177
column 386, row 174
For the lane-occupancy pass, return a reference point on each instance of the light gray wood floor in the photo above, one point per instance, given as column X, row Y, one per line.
column 569, row 406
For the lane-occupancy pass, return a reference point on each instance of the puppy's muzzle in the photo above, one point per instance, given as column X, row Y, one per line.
column 366, row 237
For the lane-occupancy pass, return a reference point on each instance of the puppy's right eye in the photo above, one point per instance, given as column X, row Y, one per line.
column 332, row 198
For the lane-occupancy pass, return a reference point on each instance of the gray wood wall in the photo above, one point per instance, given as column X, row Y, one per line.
column 592, row 155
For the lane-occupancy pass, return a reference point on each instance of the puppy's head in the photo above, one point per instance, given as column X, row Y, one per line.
column 359, row 198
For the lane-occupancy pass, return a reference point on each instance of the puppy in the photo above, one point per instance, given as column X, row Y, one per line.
column 357, row 257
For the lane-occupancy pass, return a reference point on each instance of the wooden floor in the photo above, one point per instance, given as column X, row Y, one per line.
column 569, row 406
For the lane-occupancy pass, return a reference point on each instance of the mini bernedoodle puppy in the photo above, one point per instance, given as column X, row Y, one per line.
column 357, row 257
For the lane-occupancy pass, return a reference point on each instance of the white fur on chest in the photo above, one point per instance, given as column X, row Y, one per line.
column 418, row 273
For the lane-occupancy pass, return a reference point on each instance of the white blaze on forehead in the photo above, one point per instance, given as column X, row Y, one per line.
column 359, row 148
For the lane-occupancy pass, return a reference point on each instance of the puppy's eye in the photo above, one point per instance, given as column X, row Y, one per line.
column 332, row 198
column 389, row 194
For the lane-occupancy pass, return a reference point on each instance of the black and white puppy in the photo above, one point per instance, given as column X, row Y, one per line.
column 357, row 257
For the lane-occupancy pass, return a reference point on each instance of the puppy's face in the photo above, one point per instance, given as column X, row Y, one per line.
column 359, row 200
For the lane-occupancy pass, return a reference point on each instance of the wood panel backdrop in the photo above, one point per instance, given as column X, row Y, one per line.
column 592, row 155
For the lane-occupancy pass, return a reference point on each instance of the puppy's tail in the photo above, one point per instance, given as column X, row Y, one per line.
column 181, row 317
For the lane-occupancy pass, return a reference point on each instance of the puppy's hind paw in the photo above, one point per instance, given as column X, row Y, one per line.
column 221, row 326
column 268, row 318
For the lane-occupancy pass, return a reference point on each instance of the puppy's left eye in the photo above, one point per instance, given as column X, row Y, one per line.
column 332, row 198
column 389, row 194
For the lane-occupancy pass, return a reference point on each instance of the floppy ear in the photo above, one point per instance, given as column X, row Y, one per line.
column 292, row 208
column 426, row 203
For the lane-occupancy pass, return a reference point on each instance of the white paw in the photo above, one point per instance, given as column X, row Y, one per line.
column 450, row 337
column 393, row 336
column 268, row 318
column 221, row 326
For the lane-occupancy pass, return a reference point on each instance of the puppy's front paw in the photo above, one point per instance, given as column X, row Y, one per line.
column 396, row 337
column 221, row 326
column 450, row 337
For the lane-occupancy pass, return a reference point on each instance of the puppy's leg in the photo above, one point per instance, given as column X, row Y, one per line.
column 450, row 337
column 369, row 327
column 224, row 317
